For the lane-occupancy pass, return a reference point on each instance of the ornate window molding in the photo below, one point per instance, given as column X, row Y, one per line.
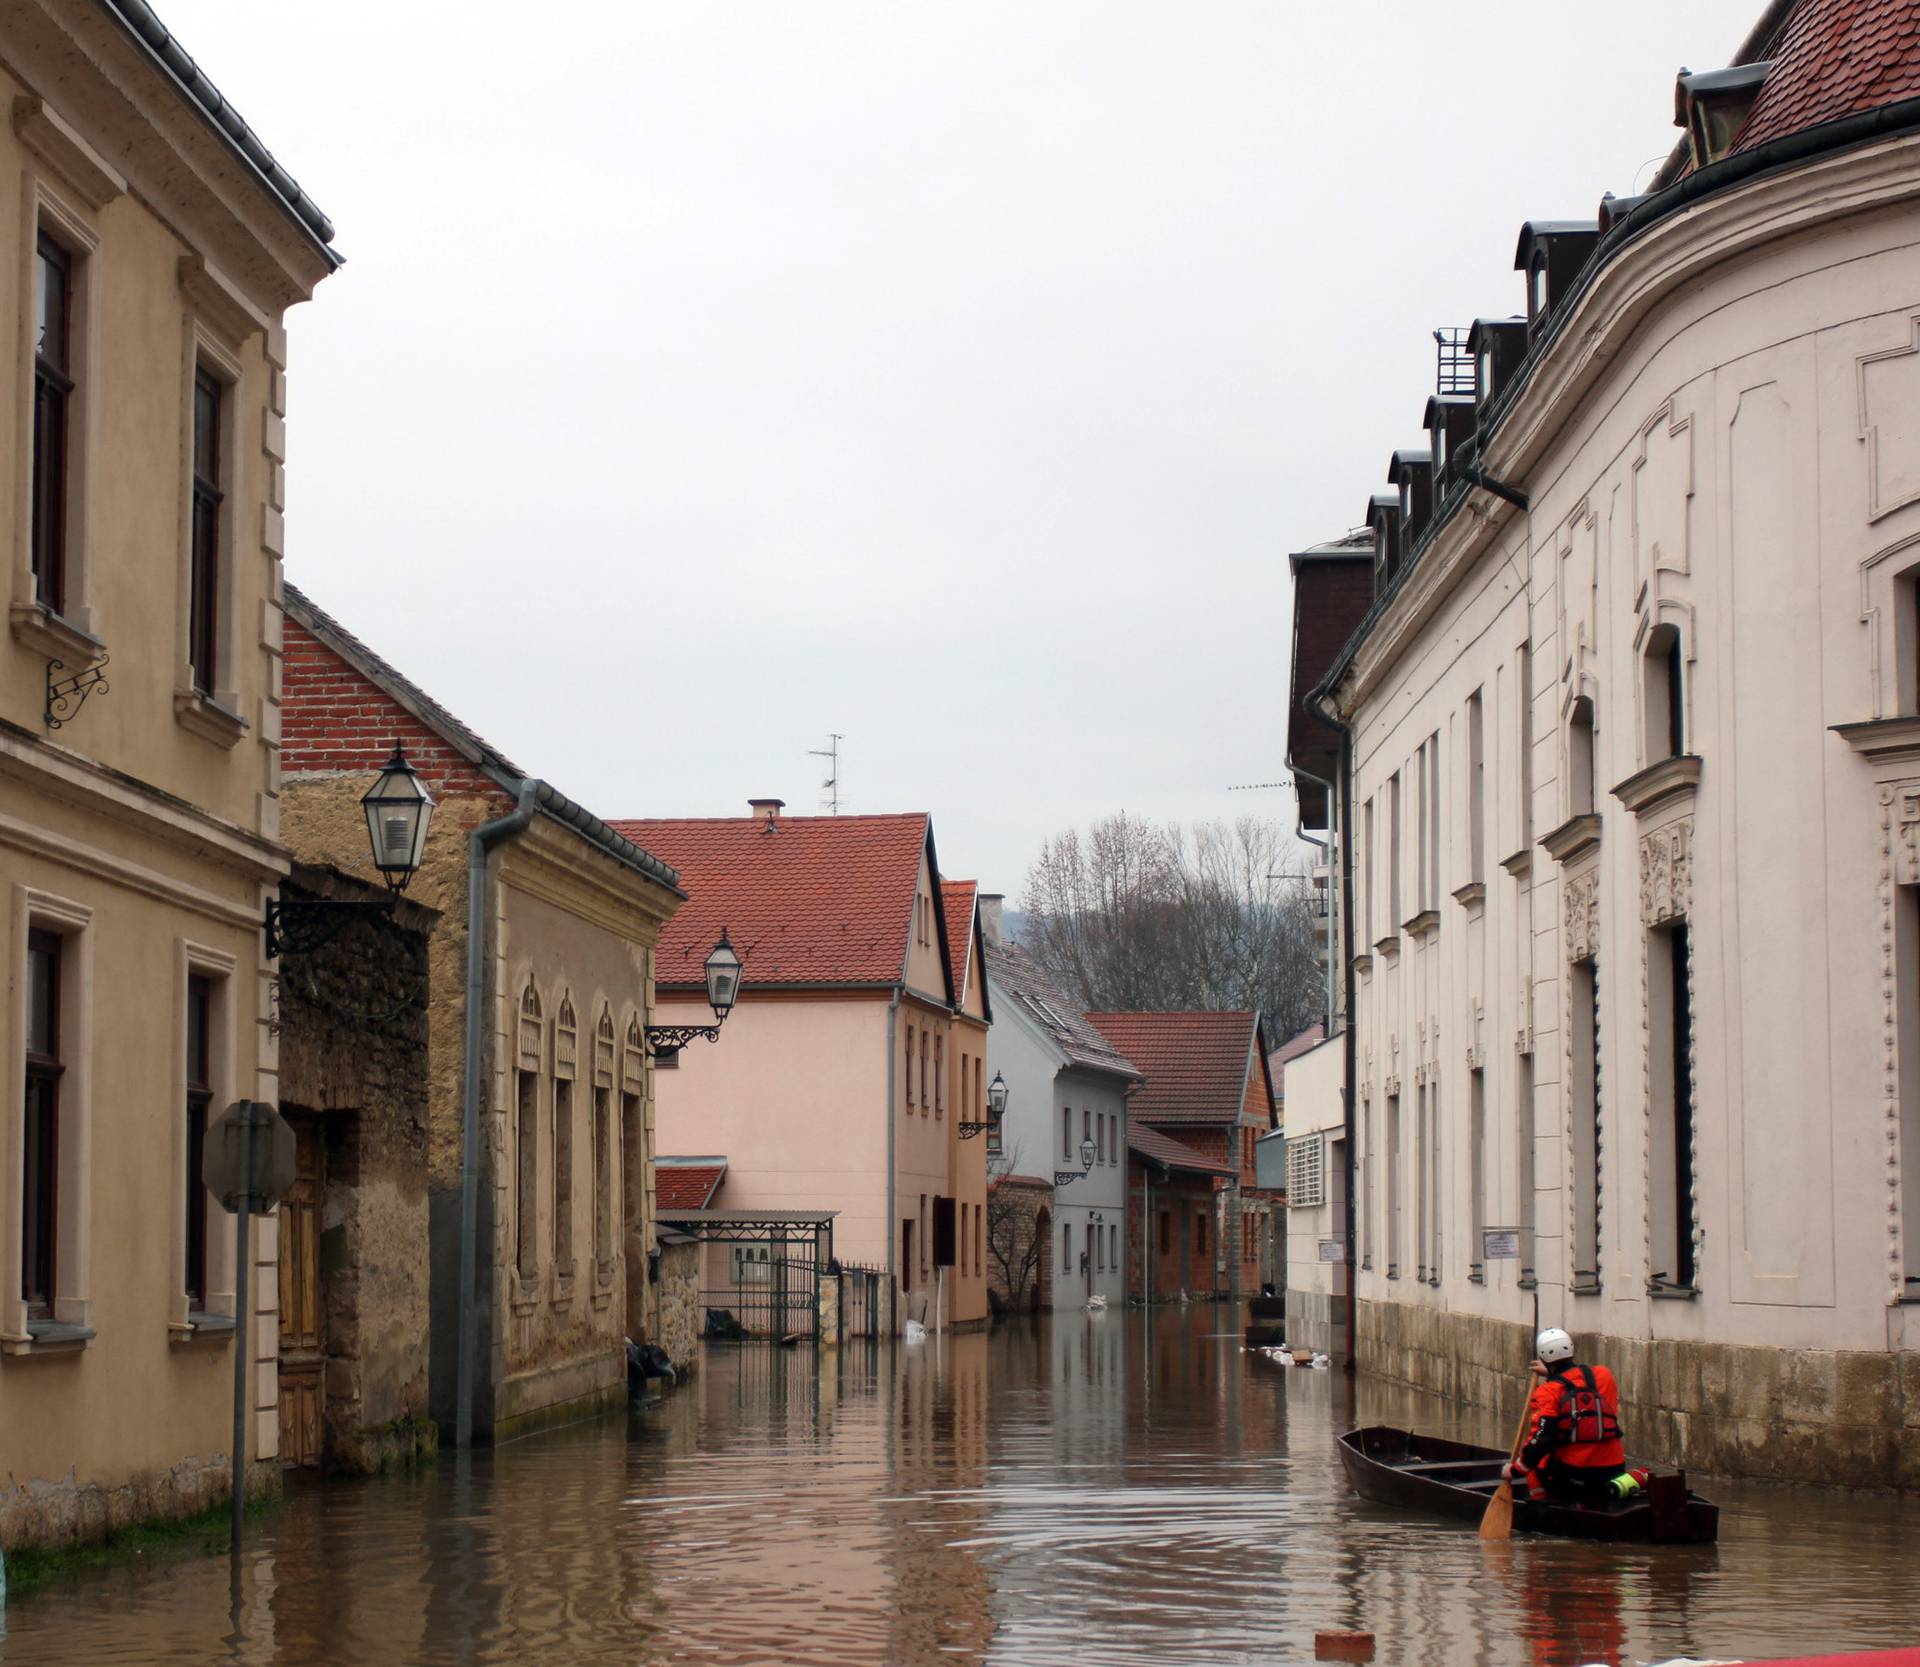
column 1654, row 786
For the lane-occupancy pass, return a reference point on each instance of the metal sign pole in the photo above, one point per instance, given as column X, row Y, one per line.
column 243, row 1280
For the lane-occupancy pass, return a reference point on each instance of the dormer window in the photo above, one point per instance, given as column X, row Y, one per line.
column 1439, row 448
column 1406, row 501
column 1484, row 382
column 1713, row 107
column 1537, row 292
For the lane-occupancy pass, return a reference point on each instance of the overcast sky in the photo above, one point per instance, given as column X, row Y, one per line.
column 706, row 377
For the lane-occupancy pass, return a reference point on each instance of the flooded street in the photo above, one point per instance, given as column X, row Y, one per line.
column 1108, row 1489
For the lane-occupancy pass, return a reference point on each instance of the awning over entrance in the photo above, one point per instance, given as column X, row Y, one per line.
column 1168, row 1154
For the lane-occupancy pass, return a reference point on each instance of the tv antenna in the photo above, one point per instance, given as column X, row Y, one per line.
column 831, row 786
column 1257, row 786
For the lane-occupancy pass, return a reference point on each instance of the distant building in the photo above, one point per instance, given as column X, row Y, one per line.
column 1065, row 1084
column 1209, row 1229
column 1625, row 766
column 858, row 1046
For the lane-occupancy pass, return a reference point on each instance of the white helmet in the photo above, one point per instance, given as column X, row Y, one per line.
column 1551, row 1345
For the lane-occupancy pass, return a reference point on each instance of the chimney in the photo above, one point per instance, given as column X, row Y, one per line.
column 991, row 903
column 768, row 811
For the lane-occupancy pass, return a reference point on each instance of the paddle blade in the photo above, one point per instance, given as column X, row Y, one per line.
column 1497, row 1524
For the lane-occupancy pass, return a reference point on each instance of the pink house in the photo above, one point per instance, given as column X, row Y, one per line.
column 858, row 1046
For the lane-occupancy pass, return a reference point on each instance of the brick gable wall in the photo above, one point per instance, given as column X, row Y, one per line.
column 335, row 719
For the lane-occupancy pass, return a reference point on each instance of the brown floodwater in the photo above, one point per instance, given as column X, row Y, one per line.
column 1102, row 1490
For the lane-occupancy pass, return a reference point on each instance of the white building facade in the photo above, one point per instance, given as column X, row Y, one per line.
column 1633, row 810
column 1065, row 1086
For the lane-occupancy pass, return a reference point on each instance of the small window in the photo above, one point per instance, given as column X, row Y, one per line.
column 752, row 1264
column 909, row 1064
column 939, row 1073
column 1486, row 374
column 1200, row 1235
column 40, row 1173
column 53, row 394
column 1476, row 789
column 1580, row 759
column 526, row 1251
column 199, row 1101
column 203, row 605
column 1665, row 695
column 1537, row 294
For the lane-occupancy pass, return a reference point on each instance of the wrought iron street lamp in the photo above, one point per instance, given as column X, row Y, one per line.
column 723, row 989
column 1066, row 1177
column 996, row 1109
column 399, row 811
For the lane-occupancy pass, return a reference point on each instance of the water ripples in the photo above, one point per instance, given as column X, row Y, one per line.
column 1107, row 1491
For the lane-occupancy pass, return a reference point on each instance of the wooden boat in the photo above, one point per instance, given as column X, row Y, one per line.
column 1428, row 1473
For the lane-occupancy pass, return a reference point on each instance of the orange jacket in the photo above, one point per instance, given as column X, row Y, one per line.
column 1553, row 1421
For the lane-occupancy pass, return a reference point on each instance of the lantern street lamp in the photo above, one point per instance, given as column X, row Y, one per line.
column 723, row 968
column 1066, row 1177
column 399, row 811
column 996, row 1109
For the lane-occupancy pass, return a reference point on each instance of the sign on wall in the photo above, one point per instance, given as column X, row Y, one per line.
column 1500, row 1244
column 1332, row 1250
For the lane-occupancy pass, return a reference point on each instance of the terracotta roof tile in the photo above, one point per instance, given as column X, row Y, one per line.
column 688, row 1183
column 1836, row 58
column 1195, row 1063
column 1056, row 1013
column 1151, row 1143
column 956, row 897
column 1043, row 1183
column 820, row 900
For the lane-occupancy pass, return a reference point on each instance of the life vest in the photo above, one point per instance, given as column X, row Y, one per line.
column 1586, row 1419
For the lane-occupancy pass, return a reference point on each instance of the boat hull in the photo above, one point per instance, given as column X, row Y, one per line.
column 1428, row 1473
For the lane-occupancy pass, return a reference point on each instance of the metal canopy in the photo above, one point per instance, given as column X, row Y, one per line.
column 752, row 1226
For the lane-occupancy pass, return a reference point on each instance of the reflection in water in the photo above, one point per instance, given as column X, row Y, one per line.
column 1103, row 1490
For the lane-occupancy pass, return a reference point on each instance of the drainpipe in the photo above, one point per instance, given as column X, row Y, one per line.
column 1318, row 704
column 893, row 1013
column 479, row 843
column 1326, row 845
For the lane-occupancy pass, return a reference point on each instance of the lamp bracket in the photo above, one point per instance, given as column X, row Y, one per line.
column 967, row 1131
column 300, row 925
column 672, row 1038
column 1066, row 1177
column 66, row 695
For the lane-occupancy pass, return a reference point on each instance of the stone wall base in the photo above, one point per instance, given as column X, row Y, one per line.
column 1310, row 1322
column 1824, row 1417
column 380, row 1449
column 67, row 1511
column 680, row 1305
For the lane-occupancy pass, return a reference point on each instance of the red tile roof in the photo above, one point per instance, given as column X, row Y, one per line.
column 956, row 897
column 1043, row 1183
column 1836, row 58
column 1195, row 1063
column 820, row 900
column 688, row 1183
column 1151, row 1143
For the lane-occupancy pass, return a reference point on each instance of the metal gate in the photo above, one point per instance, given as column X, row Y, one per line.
column 760, row 1271
column 863, row 1302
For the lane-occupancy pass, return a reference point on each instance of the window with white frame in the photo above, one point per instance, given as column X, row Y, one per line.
column 752, row 1264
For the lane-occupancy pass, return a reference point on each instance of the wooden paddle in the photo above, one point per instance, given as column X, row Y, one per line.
column 1497, row 1524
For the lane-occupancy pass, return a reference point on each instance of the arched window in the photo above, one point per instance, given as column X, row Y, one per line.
column 1580, row 759
column 1663, row 672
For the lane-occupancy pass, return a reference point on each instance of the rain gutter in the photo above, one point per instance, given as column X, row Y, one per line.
column 479, row 898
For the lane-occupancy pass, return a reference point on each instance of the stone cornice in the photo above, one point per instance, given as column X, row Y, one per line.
column 79, row 166
column 1659, row 782
column 1574, row 837
column 554, row 864
column 1884, row 740
column 1426, row 924
column 1520, row 864
column 34, row 765
column 110, row 94
column 1670, row 254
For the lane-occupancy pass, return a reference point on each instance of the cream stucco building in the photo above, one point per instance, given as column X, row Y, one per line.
column 568, row 914
column 1625, row 766
column 153, row 249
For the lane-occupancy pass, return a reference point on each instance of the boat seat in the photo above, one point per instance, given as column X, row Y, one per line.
column 1450, row 1464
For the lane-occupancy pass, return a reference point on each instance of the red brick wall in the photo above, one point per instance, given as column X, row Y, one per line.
column 334, row 719
column 1182, row 1267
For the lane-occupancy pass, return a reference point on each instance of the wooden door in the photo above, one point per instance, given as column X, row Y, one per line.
column 302, row 1323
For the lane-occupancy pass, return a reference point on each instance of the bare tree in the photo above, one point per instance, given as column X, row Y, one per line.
column 1140, row 916
column 1013, row 1235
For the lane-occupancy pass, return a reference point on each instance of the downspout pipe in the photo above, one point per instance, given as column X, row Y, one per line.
column 1324, row 844
column 893, row 1066
column 1476, row 476
column 1318, row 703
column 479, row 844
